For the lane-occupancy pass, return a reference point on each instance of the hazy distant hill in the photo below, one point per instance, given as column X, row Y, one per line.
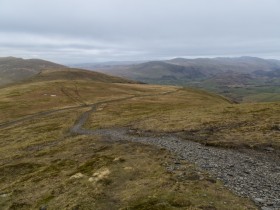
column 217, row 65
column 185, row 69
column 222, row 75
column 270, row 74
column 16, row 69
column 156, row 70
column 108, row 64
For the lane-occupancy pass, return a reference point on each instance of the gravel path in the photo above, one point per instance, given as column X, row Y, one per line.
column 255, row 175
column 251, row 175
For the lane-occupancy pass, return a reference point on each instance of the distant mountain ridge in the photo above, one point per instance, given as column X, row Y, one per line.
column 107, row 64
column 17, row 69
column 14, row 70
column 243, row 64
column 182, row 68
column 159, row 69
column 241, row 79
column 220, row 75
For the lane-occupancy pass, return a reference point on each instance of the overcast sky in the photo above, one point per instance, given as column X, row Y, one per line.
column 76, row 31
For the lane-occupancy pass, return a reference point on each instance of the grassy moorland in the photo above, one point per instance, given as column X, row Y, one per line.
column 198, row 116
column 53, row 90
column 42, row 165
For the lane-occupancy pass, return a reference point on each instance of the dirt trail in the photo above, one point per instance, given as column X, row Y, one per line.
column 36, row 115
column 83, row 105
column 253, row 175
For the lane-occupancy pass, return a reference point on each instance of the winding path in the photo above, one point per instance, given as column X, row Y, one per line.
column 93, row 106
column 253, row 175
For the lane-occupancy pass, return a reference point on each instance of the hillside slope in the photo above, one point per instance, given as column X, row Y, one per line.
column 43, row 164
column 17, row 69
column 77, row 74
column 60, row 88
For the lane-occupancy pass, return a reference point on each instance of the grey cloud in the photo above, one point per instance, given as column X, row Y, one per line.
column 93, row 30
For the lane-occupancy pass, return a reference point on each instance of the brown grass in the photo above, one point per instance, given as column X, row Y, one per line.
column 28, row 98
column 41, row 165
column 198, row 116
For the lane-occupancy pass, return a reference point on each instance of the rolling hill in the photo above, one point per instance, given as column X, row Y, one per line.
column 188, row 69
column 242, row 79
column 46, row 163
column 157, row 71
column 17, row 69
column 212, row 66
column 77, row 74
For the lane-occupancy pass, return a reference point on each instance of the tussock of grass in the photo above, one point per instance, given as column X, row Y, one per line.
column 95, row 163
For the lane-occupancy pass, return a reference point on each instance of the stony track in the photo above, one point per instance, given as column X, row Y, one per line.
column 250, row 174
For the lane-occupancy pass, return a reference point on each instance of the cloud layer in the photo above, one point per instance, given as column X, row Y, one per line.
column 69, row 31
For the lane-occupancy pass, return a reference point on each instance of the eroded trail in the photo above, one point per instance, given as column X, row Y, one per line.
column 38, row 115
column 85, row 115
column 252, row 175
